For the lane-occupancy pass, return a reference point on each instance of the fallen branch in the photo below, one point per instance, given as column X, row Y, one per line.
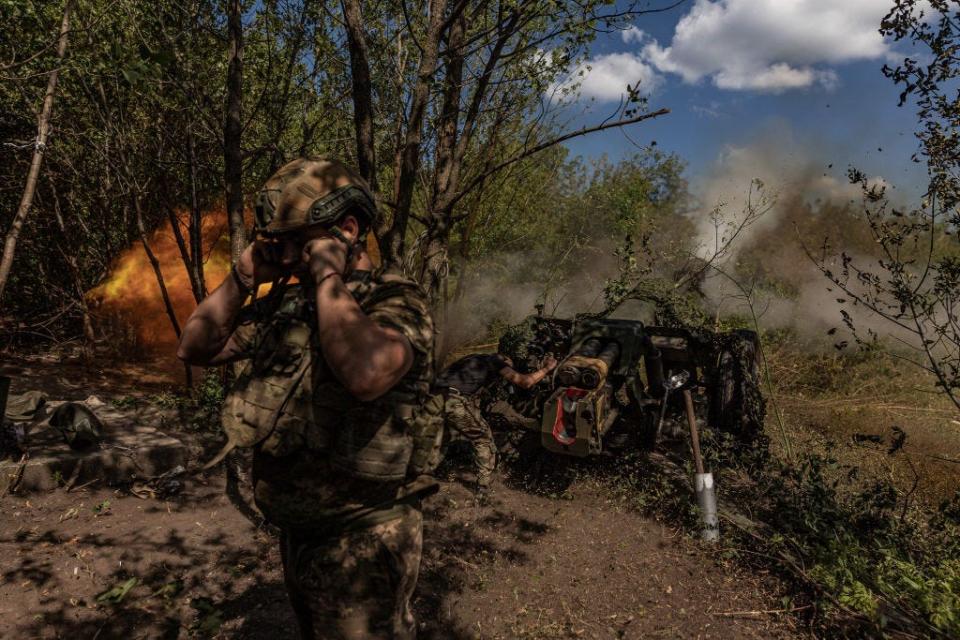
column 83, row 486
column 469, row 565
column 16, row 476
column 763, row 612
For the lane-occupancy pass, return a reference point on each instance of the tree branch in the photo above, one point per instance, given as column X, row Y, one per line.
column 550, row 143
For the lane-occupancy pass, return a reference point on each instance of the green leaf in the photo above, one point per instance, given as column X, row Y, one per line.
column 209, row 617
column 117, row 593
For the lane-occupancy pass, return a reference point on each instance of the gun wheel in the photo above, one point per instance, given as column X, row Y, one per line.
column 737, row 406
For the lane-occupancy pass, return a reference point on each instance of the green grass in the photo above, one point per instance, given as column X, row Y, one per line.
column 865, row 520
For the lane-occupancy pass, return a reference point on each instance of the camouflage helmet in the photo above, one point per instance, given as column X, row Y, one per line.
column 309, row 191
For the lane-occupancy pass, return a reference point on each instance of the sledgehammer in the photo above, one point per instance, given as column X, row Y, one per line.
column 703, row 481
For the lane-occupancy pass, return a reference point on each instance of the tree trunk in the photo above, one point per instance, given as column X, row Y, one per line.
column 191, row 256
column 196, row 236
column 463, row 255
column 435, row 266
column 435, row 256
column 141, row 228
column 43, row 131
column 362, row 92
column 450, row 111
column 407, row 162
column 70, row 257
column 232, row 132
column 174, row 221
column 168, row 305
column 453, row 138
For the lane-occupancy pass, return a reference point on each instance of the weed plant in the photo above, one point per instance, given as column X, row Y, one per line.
column 199, row 409
column 839, row 519
column 202, row 407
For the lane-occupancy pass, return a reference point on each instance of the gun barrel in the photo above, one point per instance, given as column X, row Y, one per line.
column 592, row 376
column 610, row 354
column 587, row 367
column 590, row 348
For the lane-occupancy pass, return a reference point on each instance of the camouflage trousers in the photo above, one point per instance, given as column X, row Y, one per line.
column 358, row 585
column 463, row 419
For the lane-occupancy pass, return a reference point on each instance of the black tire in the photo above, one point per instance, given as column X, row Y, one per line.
column 737, row 405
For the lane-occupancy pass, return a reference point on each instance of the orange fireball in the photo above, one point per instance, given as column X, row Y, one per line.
column 131, row 295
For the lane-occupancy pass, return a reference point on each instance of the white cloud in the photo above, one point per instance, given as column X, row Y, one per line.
column 633, row 34
column 711, row 110
column 776, row 78
column 606, row 77
column 770, row 45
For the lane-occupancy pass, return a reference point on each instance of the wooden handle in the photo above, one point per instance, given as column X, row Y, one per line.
column 694, row 434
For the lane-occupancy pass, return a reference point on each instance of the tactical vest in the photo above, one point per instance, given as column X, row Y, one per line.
column 286, row 399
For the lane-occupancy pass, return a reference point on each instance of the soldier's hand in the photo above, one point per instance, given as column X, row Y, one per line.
column 549, row 363
column 263, row 262
column 326, row 255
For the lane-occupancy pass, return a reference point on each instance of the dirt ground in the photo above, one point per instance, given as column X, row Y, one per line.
column 524, row 565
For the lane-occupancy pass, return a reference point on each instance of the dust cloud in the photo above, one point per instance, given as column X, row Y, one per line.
column 814, row 214
column 813, row 209
column 494, row 293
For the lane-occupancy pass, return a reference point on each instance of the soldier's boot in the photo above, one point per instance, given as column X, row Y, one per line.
column 482, row 495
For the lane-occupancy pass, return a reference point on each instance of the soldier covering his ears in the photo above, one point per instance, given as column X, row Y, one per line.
column 336, row 370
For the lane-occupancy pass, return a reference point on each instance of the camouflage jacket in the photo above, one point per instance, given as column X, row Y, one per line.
column 311, row 477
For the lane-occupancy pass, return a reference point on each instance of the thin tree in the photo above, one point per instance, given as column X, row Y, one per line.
column 43, row 132
column 362, row 92
column 233, row 130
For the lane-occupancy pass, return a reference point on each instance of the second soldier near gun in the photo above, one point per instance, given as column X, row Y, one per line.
column 334, row 367
column 462, row 385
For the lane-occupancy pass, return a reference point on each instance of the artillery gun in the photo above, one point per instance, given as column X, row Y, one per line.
column 611, row 380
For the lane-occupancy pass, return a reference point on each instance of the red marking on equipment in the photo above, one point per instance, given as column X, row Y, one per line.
column 559, row 426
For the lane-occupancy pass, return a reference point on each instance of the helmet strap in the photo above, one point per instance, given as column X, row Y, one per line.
column 338, row 234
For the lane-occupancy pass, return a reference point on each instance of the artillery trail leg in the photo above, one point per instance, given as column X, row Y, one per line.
column 703, row 482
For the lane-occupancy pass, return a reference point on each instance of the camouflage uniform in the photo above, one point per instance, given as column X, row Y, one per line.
column 351, row 541
column 464, row 420
column 356, row 585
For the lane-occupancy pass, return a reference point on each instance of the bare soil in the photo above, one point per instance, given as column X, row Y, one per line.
column 524, row 565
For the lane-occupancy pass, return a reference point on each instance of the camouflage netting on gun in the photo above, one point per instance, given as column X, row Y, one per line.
column 671, row 307
column 515, row 341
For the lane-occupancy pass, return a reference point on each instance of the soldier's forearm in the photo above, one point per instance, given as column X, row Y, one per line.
column 210, row 325
column 537, row 376
column 366, row 357
column 525, row 380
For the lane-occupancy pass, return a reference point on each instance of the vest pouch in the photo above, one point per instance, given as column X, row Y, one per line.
column 281, row 349
column 261, row 399
column 372, row 444
column 288, row 436
column 248, row 409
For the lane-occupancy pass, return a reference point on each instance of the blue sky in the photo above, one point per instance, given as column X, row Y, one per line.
column 801, row 76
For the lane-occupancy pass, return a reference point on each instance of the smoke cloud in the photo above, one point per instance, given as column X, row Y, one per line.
column 813, row 211
column 129, row 301
column 493, row 295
